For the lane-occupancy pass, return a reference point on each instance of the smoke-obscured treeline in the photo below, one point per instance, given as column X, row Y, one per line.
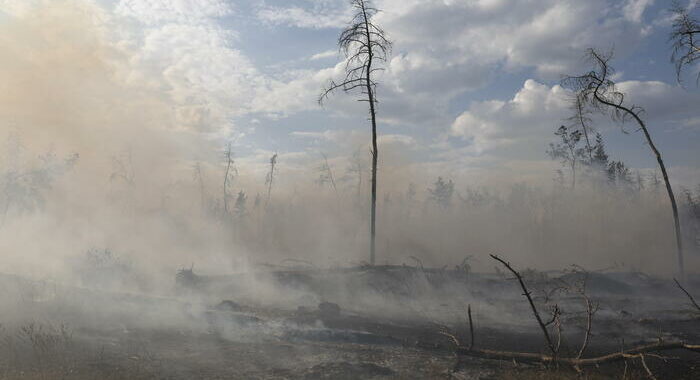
column 614, row 218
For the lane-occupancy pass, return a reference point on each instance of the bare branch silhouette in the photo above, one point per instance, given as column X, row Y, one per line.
column 364, row 45
column 596, row 91
column 684, row 38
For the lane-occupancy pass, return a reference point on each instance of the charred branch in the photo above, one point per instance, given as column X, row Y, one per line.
column 690, row 297
column 550, row 343
column 527, row 357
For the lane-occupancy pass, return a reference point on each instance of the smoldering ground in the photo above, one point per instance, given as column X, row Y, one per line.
column 107, row 194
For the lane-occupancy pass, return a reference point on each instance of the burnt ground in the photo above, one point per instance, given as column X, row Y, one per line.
column 374, row 323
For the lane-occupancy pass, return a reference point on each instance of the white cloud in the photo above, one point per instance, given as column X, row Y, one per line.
column 317, row 14
column 445, row 48
column 178, row 11
column 548, row 35
column 324, row 55
column 530, row 115
column 521, row 126
column 388, row 139
column 660, row 100
column 179, row 48
column 634, row 9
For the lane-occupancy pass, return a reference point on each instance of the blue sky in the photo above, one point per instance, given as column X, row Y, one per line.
column 471, row 85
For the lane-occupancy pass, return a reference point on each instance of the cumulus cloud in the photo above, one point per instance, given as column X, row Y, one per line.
column 513, row 127
column 547, row 35
column 446, row 48
column 179, row 47
column 661, row 101
column 531, row 114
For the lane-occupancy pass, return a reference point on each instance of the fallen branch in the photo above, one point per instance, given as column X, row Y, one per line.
column 526, row 293
column 609, row 358
column 687, row 294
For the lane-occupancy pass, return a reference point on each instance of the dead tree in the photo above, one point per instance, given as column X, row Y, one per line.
column 684, row 37
column 365, row 46
column 199, row 177
column 230, row 169
column 598, row 92
column 270, row 177
column 326, row 174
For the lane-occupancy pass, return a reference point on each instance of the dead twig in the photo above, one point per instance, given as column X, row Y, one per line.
column 526, row 293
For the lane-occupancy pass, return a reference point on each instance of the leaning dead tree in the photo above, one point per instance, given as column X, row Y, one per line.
column 578, row 361
column 596, row 91
column 684, row 37
column 366, row 47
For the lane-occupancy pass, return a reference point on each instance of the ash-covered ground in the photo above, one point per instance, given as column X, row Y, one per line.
column 393, row 322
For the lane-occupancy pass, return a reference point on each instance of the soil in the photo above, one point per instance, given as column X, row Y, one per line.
column 354, row 323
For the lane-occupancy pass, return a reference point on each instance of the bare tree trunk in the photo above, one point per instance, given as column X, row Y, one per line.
column 200, row 180
column 375, row 151
column 579, row 113
column 364, row 43
column 273, row 162
column 331, row 177
column 669, row 190
column 226, row 177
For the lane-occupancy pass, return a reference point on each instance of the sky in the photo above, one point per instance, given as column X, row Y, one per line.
column 471, row 88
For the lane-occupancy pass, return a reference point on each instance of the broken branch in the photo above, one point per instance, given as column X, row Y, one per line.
column 687, row 294
column 609, row 358
column 526, row 293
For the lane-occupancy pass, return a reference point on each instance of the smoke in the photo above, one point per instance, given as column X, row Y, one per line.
column 64, row 94
column 66, row 90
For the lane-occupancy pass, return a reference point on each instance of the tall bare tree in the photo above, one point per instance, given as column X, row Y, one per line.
column 365, row 46
column 228, row 175
column 598, row 92
column 270, row 177
column 684, row 36
column 199, row 177
column 326, row 174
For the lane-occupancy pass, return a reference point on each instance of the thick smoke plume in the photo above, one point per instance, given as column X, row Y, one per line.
column 94, row 161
